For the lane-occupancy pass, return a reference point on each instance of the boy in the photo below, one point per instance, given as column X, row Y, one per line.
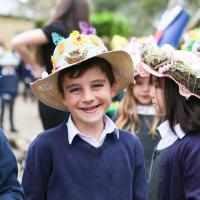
column 86, row 157
column 10, row 188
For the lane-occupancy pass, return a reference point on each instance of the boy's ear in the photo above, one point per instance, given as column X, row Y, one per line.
column 113, row 90
column 61, row 96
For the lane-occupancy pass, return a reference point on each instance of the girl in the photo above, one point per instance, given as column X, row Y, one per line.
column 136, row 113
column 175, row 171
column 67, row 16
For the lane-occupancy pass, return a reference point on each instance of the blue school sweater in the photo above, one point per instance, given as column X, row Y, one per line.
column 10, row 188
column 180, row 170
column 57, row 170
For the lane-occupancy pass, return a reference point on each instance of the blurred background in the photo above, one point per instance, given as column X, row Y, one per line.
column 115, row 21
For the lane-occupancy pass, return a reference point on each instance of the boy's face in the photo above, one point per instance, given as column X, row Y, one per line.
column 87, row 97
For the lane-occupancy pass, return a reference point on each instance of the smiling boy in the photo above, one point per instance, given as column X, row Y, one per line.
column 86, row 157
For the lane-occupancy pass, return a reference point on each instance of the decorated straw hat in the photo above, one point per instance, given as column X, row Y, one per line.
column 181, row 66
column 134, row 48
column 73, row 50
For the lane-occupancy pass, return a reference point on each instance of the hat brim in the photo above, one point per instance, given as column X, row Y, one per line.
column 182, row 89
column 46, row 89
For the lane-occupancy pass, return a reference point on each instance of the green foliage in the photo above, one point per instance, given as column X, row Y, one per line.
column 38, row 23
column 108, row 24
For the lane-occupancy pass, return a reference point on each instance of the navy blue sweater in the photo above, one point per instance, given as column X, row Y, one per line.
column 10, row 189
column 56, row 170
column 180, row 170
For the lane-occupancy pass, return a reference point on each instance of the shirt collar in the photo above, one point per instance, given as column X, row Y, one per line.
column 145, row 110
column 164, row 129
column 73, row 131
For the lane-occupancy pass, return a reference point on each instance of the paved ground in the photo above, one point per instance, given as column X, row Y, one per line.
column 26, row 119
column 27, row 122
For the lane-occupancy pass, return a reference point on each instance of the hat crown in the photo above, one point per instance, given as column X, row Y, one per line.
column 75, row 48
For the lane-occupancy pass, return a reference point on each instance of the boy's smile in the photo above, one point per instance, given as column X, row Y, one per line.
column 88, row 98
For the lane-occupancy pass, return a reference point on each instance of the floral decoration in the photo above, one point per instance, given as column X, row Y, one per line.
column 57, row 38
column 86, row 29
column 76, row 56
column 53, row 61
column 61, row 47
column 95, row 39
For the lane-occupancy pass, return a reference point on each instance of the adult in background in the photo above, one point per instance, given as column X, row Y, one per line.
column 67, row 16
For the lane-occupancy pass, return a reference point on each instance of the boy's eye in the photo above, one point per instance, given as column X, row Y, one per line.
column 97, row 85
column 73, row 90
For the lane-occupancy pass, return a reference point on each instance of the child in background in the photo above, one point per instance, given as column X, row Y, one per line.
column 86, row 157
column 8, row 87
column 175, row 171
column 136, row 112
column 10, row 189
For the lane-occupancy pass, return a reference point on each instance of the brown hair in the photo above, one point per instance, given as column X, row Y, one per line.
column 78, row 70
column 180, row 110
column 70, row 12
column 127, row 113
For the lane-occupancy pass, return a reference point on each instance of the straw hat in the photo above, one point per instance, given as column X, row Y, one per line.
column 73, row 50
column 134, row 48
column 181, row 66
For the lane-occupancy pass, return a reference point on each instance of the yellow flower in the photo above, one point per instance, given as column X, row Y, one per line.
column 79, row 40
column 61, row 47
column 96, row 40
column 74, row 34
column 53, row 61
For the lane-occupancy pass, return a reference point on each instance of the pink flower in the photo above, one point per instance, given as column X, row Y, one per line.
column 164, row 68
column 141, row 71
column 184, row 91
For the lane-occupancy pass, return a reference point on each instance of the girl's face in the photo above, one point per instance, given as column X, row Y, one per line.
column 141, row 90
column 157, row 95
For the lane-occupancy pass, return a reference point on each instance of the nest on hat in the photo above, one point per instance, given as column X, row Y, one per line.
column 168, row 66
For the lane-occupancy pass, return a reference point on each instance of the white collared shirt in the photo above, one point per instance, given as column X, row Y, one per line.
column 145, row 110
column 109, row 128
column 167, row 136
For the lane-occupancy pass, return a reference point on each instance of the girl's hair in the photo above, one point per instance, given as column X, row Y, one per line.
column 128, row 117
column 78, row 70
column 180, row 110
column 71, row 12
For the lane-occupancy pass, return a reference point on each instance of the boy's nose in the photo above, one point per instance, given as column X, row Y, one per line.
column 88, row 96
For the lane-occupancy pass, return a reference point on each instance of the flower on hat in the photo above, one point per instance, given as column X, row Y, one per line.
column 96, row 40
column 56, row 38
column 77, row 38
column 53, row 62
column 86, row 29
column 141, row 71
column 74, row 34
column 76, row 56
column 164, row 68
column 61, row 47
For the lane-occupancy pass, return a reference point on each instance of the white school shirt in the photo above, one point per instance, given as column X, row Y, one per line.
column 109, row 128
column 167, row 136
column 145, row 110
